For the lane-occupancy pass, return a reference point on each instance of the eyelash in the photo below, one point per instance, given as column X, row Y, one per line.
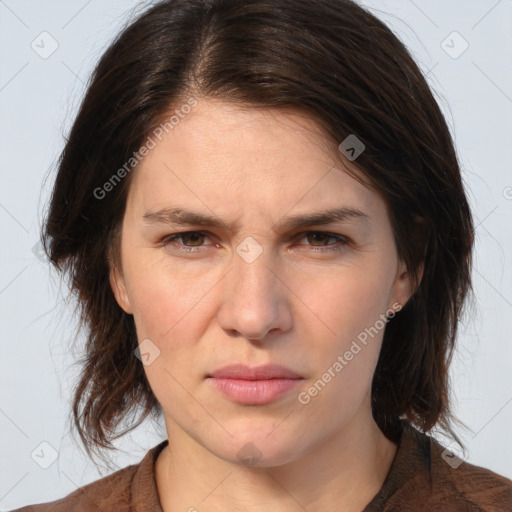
column 170, row 240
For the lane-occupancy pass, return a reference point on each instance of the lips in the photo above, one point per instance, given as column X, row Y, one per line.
column 254, row 386
column 265, row 372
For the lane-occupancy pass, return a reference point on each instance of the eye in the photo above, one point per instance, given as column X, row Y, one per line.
column 341, row 241
column 194, row 236
column 192, row 241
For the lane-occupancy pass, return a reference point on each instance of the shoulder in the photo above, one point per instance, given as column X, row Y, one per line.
column 476, row 488
column 444, row 482
column 101, row 494
column 114, row 493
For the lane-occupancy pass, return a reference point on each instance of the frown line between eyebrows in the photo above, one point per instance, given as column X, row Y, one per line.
column 182, row 217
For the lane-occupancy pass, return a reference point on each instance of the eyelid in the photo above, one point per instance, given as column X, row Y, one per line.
column 341, row 239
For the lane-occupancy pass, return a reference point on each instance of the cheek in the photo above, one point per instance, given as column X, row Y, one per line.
column 345, row 333
column 167, row 298
column 167, row 309
column 171, row 302
column 346, row 302
column 344, row 360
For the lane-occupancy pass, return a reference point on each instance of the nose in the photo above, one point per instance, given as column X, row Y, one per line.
column 255, row 299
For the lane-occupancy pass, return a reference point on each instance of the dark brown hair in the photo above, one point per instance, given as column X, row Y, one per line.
column 332, row 61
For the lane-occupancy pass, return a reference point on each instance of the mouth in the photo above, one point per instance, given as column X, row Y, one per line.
column 254, row 386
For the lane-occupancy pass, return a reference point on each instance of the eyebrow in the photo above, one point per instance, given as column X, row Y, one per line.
column 184, row 217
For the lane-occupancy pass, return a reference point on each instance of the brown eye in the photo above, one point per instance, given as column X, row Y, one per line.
column 192, row 237
column 318, row 237
column 192, row 241
column 316, row 240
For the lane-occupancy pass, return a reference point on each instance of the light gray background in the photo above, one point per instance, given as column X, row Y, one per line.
column 38, row 99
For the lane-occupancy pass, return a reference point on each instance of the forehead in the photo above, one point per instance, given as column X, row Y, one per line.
column 222, row 155
column 229, row 132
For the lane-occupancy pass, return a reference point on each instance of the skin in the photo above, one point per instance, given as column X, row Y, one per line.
column 292, row 305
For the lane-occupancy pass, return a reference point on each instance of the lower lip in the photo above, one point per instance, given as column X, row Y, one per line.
column 253, row 392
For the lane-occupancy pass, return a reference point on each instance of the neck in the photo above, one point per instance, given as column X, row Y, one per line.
column 344, row 474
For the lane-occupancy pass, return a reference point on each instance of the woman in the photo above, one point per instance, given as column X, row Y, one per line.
column 262, row 215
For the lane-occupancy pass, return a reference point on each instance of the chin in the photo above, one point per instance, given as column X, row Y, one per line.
column 262, row 445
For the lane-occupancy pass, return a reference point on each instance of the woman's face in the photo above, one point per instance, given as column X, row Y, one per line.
column 252, row 288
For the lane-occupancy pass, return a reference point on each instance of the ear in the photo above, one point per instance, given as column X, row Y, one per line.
column 404, row 286
column 118, row 286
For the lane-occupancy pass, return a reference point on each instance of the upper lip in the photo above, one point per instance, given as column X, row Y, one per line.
column 264, row 372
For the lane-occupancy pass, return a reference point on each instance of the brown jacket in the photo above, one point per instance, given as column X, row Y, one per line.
column 421, row 478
